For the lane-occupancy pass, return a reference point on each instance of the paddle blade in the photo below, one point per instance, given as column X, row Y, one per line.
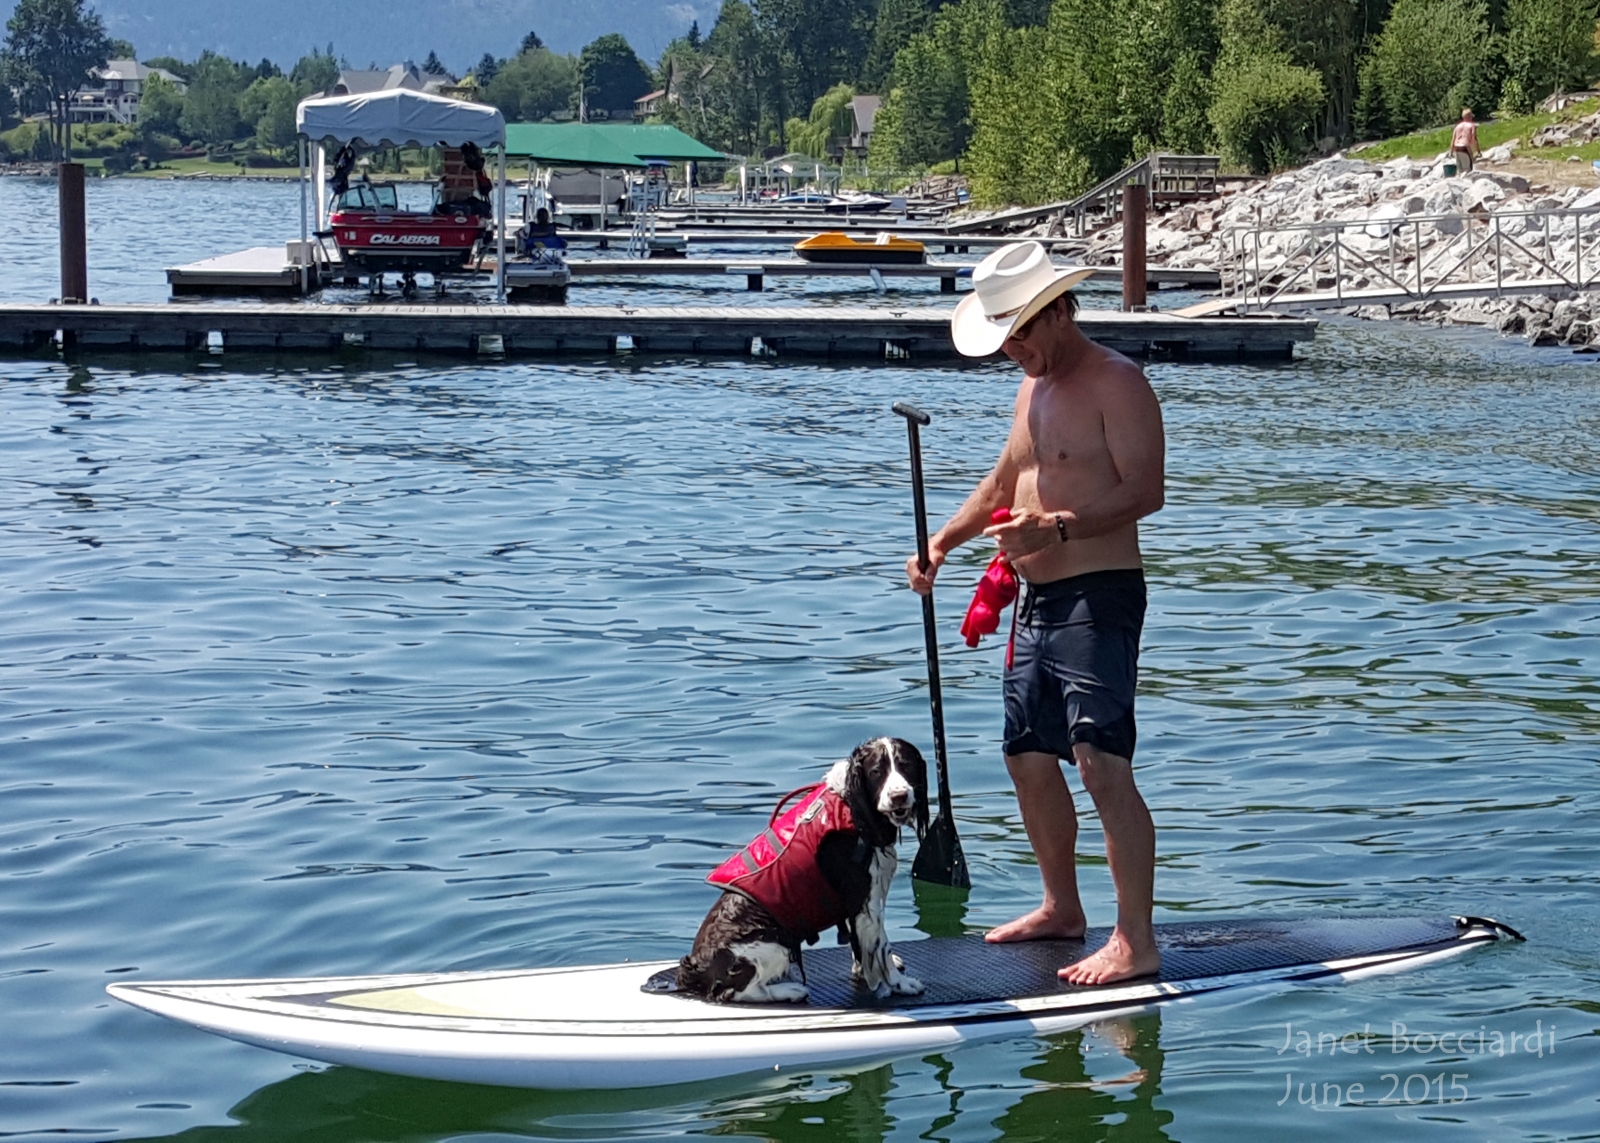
column 939, row 859
column 941, row 909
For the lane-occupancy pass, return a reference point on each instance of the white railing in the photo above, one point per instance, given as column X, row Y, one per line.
column 1402, row 258
column 641, row 234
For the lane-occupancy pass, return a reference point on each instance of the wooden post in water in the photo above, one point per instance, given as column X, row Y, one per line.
column 1134, row 199
column 74, row 240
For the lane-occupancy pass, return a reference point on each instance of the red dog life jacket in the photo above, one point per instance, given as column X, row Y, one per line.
column 778, row 870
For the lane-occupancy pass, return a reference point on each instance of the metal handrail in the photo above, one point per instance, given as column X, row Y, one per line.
column 1417, row 271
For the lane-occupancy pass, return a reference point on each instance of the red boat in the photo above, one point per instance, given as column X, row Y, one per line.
column 375, row 235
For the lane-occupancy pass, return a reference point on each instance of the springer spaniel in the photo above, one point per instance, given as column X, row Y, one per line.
column 825, row 862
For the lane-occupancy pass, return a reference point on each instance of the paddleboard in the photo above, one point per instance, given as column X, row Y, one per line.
column 624, row 1025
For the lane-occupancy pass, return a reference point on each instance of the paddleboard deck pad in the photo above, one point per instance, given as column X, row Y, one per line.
column 620, row 1026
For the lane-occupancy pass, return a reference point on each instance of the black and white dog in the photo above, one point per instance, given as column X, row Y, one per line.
column 826, row 862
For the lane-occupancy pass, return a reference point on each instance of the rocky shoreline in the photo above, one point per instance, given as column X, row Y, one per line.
column 1342, row 188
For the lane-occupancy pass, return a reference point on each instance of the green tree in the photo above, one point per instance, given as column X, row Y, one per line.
column 160, row 106
column 829, row 119
column 1432, row 57
column 817, row 43
column 432, row 66
column 533, row 85
column 211, row 105
column 896, row 23
column 925, row 118
column 1550, row 45
column 1022, row 150
column 268, row 105
column 531, row 43
column 1265, row 106
column 315, row 72
column 51, row 47
column 121, row 50
column 745, row 83
column 613, row 76
column 1265, row 111
column 486, row 69
column 1331, row 37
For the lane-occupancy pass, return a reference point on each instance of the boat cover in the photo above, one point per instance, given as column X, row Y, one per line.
column 399, row 117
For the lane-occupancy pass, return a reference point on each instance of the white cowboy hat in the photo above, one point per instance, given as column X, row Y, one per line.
column 1009, row 287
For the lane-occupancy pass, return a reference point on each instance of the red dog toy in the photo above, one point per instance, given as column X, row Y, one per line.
column 997, row 590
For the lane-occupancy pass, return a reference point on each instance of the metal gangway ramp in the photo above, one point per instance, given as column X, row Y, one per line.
column 1398, row 259
column 1171, row 179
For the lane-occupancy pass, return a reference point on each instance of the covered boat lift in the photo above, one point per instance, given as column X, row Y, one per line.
column 400, row 118
column 604, row 146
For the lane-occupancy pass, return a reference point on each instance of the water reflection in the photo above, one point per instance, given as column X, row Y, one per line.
column 1073, row 1089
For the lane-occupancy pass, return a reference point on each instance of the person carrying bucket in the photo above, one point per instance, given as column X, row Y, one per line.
column 1084, row 462
column 1464, row 142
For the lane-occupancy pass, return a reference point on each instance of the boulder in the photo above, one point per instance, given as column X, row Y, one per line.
column 1514, row 183
column 1514, row 322
column 1501, row 154
column 1566, row 314
column 1579, row 333
column 1586, row 199
column 1400, row 169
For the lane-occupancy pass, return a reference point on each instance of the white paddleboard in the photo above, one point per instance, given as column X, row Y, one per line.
column 618, row 1026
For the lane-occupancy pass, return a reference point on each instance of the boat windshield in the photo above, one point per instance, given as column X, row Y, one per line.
column 370, row 196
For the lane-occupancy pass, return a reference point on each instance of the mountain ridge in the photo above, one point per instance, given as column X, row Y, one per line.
column 373, row 32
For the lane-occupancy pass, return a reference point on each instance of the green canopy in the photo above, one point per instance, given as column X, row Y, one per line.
column 602, row 144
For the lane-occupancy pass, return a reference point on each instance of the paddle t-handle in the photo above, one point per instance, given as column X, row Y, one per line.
column 939, row 859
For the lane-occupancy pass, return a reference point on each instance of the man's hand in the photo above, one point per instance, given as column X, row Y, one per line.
column 1028, row 532
column 922, row 581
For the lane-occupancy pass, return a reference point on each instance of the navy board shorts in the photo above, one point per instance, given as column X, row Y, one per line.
column 1074, row 664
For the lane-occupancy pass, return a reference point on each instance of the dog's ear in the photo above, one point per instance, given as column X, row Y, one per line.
column 915, row 769
column 857, row 792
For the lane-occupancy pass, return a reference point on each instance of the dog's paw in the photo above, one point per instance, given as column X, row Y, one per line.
column 787, row 991
column 907, row 985
column 881, row 992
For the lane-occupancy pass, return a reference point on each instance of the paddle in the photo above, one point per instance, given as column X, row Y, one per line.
column 939, row 859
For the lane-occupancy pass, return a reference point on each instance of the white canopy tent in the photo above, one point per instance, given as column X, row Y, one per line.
column 402, row 118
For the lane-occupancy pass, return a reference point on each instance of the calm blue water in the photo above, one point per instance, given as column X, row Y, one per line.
column 386, row 665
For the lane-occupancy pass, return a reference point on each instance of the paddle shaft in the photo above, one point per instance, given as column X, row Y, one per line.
column 915, row 418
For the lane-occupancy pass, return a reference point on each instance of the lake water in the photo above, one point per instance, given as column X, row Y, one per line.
column 380, row 665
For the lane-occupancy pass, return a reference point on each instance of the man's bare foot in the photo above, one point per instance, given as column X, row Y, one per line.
column 1117, row 961
column 1039, row 925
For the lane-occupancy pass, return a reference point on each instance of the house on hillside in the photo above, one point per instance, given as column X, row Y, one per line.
column 116, row 98
column 863, row 110
column 648, row 105
column 406, row 75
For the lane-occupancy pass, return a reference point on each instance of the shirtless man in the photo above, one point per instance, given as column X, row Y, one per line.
column 1083, row 463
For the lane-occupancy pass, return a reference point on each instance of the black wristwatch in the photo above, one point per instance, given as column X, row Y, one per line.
column 1061, row 527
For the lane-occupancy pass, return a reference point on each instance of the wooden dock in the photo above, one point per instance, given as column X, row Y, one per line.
column 265, row 271
column 936, row 241
column 756, row 271
column 896, row 333
column 261, row 270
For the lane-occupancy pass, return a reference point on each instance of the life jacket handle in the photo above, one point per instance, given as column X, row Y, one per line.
column 783, row 801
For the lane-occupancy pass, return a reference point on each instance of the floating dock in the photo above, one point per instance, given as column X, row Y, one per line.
column 261, row 270
column 894, row 333
column 265, row 271
column 704, row 234
column 755, row 272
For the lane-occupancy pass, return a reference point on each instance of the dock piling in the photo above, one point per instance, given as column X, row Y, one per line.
column 74, row 234
column 1134, row 280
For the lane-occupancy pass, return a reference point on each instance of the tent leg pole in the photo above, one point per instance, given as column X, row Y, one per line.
column 305, row 236
column 500, row 231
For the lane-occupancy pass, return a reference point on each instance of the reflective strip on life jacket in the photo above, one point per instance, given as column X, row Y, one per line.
column 778, row 869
